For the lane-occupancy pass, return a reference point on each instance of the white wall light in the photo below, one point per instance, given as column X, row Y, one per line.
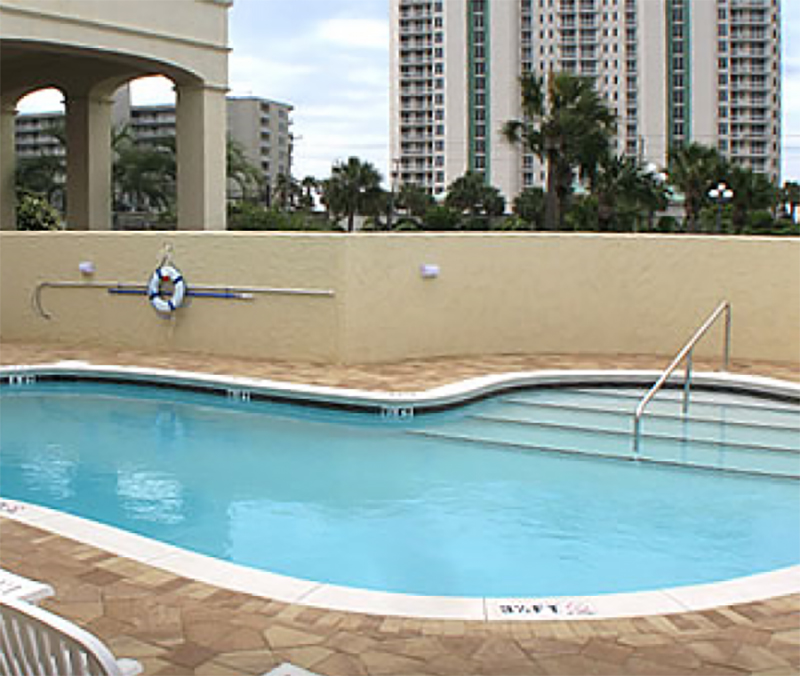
column 429, row 271
column 86, row 267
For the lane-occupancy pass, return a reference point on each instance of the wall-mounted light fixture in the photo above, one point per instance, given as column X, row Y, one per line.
column 86, row 267
column 429, row 271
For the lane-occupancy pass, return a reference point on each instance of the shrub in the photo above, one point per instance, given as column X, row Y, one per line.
column 34, row 212
column 441, row 218
column 667, row 224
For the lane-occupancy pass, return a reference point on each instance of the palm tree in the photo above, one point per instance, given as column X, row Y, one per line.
column 568, row 126
column 354, row 187
column 43, row 175
column 751, row 192
column 624, row 189
column 415, row 200
column 247, row 177
column 469, row 194
column 309, row 186
column 529, row 205
column 613, row 181
column 790, row 195
column 286, row 192
column 144, row 177
column 693, row 168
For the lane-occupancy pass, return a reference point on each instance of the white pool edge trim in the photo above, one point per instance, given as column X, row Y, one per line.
column 437, row 397
column 287, row 589
column 291, row 590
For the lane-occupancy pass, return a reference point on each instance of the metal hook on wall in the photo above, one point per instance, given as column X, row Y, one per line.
column 166, row 256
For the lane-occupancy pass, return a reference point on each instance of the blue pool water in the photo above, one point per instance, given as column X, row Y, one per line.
column 409, row 506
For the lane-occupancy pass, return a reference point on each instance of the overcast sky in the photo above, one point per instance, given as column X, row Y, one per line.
column 330, row 60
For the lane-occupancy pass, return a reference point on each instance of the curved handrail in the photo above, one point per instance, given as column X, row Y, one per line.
column 685, row 353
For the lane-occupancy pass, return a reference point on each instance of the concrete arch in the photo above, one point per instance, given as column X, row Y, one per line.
column 87, row 50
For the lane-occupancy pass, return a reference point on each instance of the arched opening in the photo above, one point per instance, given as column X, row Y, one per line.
column 143, row 140
column 91, row 80
column 40, row 173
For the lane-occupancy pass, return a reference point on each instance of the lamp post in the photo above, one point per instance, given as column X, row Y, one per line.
column 392, row 192
column 659, row 179
column 720, row 194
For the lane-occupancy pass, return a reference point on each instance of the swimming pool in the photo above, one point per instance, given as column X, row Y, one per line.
column 482, row 500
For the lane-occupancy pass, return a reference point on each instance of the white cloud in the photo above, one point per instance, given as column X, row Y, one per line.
column 267, row 78
column 354, row 33
column 369, row 77
column 147, row 91
column 42, row 101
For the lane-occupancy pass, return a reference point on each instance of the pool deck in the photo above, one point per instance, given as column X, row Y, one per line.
column 176, row 625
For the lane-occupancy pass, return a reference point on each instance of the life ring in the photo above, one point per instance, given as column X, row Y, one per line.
column 166, row 305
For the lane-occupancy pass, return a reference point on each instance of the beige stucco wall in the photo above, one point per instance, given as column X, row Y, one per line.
column 276, row 326
column 525, row 293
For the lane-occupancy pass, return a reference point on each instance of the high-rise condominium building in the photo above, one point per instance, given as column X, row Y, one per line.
column 673, row 71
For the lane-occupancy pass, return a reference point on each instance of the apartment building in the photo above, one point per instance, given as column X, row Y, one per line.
column 261, row 126
column 673, row 71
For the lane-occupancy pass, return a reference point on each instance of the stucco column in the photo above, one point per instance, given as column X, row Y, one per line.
column 8, row 153
column 201, row 131
column 88, row 126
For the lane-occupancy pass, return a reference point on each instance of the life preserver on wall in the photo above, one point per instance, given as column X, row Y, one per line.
column 166, row 304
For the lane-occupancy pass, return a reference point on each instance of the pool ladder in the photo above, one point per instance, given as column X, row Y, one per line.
column 685, row 353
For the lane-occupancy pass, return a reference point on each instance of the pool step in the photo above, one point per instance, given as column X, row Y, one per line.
column 697, row 395
column 790, row 423
column 723, row 431
column 653, row 452
column 686, row 431
column 710, row 430
column 608, row 404
column 668, row 399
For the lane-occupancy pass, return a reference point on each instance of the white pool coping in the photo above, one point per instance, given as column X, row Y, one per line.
column 247, row 580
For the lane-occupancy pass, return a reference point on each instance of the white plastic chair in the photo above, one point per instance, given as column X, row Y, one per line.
column 17, row 587
column 35, row 642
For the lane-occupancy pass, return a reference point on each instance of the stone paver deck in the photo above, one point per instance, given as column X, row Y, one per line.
column 176, row 626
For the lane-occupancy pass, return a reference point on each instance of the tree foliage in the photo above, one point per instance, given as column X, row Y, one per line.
column 414, row 200
column 469, row 194
column 752, row 193
column 529, row 205
column 693, row 169
column 568, row 126
column 354, row 188
column 34, row 212
column 247, row 178
column 144, row 176
column 624, row 190
column 790, row 197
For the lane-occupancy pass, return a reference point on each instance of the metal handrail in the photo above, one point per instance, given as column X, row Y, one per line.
column 685, row 353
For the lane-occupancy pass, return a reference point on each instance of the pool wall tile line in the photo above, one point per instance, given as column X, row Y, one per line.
column 435, row 398
column 332, row 597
